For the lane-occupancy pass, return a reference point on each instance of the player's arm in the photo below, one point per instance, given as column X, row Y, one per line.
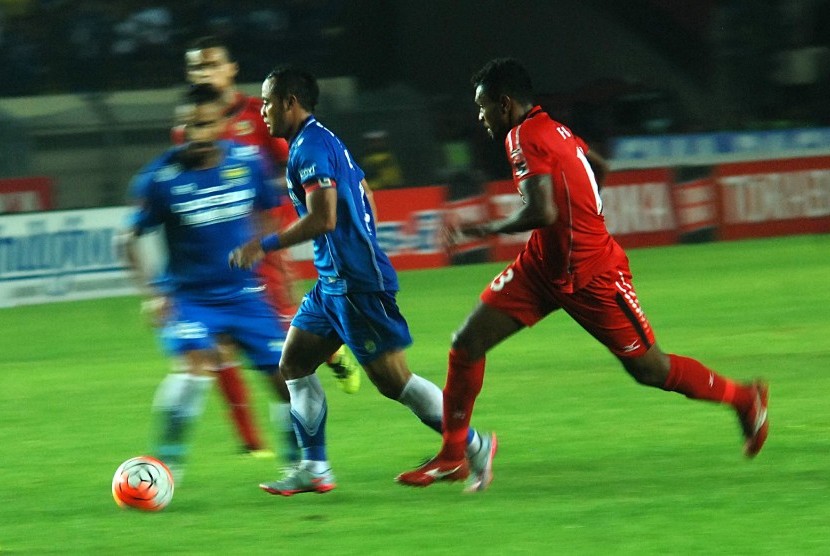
column 370, row 196
column 155, row 303
column 537, row 211
column 599, row 165
column 321, row 219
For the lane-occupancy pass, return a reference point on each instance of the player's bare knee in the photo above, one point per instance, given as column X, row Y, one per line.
column 650, row 369
column 471, row 345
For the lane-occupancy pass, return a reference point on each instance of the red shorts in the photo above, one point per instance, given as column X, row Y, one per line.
column 606, row 307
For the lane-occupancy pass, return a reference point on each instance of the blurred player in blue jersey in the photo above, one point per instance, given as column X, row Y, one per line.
column 353, row 300
column 207, row 196
column 209, row 61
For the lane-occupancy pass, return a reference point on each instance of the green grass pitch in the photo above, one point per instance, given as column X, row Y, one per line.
column 590, row 462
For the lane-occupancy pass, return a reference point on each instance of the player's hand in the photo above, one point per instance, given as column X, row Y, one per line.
column 453, row 234
column 156, row 309
column 246, row 256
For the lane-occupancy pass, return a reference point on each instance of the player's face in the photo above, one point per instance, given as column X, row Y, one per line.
column 491, row 115
column 273, row 111
column 204, row 125
column 211, row 66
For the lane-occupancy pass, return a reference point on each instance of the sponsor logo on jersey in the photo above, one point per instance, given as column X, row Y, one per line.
column 244, row 127
column 246, row 151
column 306, row 173
column 183, row 189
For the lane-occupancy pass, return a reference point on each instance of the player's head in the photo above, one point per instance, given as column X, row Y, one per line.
column 289, row 95
column 503, row 93
column 201, row 113
column 208, row 60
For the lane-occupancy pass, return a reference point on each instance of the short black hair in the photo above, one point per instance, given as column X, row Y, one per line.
column 210, row 41
column 202, row 93
column 289, row 80
column 505, row 76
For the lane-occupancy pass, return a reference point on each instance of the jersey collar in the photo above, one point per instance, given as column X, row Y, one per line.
column 308, row 121
column 533, row 112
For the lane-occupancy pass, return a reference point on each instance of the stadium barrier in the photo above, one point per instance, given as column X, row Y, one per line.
column 66, row 255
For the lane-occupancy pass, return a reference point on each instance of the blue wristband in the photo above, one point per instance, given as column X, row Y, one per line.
column 270, row 243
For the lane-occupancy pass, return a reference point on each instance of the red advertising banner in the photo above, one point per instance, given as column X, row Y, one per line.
column 638, row 208
column 696, row 205
column 776, row 197
column 30, row 194
column 648, row 207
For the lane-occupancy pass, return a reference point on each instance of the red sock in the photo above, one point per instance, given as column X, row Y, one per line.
column 464, row 380
column 694, row 380
column 236, row 395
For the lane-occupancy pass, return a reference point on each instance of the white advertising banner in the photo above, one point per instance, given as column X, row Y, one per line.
column 61, row 256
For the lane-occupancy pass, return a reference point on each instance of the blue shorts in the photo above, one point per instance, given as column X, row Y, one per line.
column 249, row 320
column 369, row 323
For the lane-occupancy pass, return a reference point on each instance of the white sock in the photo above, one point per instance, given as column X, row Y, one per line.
column 280, row 414
column 426, row 401
column 308, row 413
column 193, row 402
column 169, row 392
column 307, row 401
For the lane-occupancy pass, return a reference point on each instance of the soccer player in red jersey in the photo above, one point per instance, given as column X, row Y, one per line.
column 570, row 262
column 208, row 60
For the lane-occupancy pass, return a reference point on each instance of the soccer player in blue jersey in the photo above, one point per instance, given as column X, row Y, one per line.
column 207, row 195
column 353, row 300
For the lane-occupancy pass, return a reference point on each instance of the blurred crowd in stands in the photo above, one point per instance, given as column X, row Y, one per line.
column 768, row 61
column 59, row 46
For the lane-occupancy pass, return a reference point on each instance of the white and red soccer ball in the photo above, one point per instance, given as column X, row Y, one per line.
column 144, row 483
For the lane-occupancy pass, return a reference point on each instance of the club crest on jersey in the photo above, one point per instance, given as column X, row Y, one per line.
column 244, row 127
column 517, row 159
column 236, row 174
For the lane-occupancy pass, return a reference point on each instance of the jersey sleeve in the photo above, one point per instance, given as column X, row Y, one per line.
column 265, row 183
column 314, row 167
column 526, row 153
column 142, row 195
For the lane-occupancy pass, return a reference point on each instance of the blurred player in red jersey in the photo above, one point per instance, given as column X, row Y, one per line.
column 570, row 262
column 208, row 60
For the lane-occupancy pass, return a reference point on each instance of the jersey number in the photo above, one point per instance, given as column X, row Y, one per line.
column 501, row 280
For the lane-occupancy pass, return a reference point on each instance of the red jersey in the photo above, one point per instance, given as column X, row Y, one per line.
column 245, row 125
column 577, row 245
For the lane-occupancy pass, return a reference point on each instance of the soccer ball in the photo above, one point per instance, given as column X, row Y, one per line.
column 143, row 483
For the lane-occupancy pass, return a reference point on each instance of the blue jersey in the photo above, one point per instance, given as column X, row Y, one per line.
column 205, row 214
column 348, row 259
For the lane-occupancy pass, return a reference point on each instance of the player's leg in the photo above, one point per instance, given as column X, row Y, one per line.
column 235, row 393
column 687, row 376
column 608, row 308
column 346, row 370
column 256, row 330
column 178, row 402
column 180, row 397
column 302, row 354
column 485, row 327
